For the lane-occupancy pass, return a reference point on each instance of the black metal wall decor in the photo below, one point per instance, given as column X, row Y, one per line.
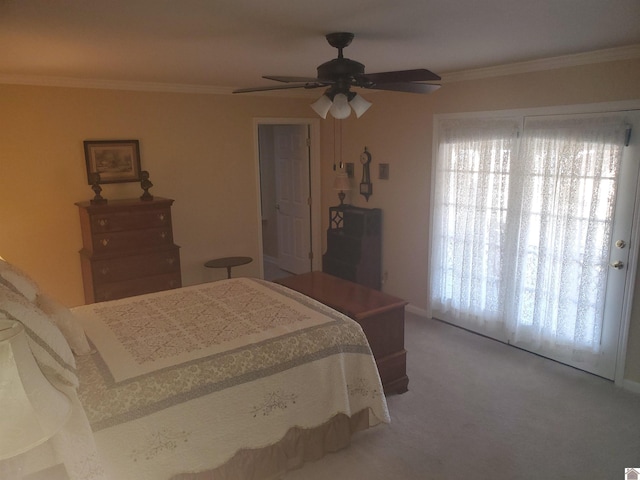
column 366, row 189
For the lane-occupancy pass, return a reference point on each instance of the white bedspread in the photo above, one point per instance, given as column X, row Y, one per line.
column 186, row 378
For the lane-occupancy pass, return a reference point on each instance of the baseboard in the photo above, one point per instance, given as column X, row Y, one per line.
column 631, row 386
column 420, row 312
column 270, row 259
column 628, row 385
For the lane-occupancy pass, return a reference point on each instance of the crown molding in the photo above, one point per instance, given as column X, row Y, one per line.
column 551, row 63
column 71, row 82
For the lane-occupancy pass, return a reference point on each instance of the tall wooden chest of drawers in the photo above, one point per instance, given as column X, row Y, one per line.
column 128, row 248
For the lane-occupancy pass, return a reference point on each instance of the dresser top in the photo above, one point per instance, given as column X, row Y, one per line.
column 125, row 203
column 352, row 299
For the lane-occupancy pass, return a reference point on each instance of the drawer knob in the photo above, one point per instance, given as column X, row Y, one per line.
column 105, row 242
column 161, row 217
column 171, row 260
column 104, row 270
column 163, row 235
column 103, row 222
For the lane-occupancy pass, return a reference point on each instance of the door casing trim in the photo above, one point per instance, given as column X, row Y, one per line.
column 315, row 185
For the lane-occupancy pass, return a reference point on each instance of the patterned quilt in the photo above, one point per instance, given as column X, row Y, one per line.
column 183, row 379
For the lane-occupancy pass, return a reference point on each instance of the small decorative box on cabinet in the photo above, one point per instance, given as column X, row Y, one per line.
column 354, row 247
column 128, row 248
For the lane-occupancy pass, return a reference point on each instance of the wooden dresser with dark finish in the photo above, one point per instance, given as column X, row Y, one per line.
column 380, row 315
column 354, row 249
column 128, row 248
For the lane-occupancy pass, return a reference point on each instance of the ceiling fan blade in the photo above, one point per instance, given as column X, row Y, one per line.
column 278, row 87
column 416, row 75
column 406, row 87
column 280, row 78
column 341, row 73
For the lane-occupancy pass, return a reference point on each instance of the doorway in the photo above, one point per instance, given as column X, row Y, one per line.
column 533, row 241
column 289, row 201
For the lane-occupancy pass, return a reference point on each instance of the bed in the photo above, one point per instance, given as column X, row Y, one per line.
column 239, row 378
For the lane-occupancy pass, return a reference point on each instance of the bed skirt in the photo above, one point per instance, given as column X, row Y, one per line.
column 299, row 445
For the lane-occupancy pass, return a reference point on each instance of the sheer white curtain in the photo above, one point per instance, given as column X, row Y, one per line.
column 471, row 190
column 565, row 178
column 522, row 229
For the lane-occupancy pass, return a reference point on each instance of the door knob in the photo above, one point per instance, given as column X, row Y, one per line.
column 617, row 265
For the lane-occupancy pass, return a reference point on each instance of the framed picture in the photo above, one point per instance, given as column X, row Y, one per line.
column 116, row 161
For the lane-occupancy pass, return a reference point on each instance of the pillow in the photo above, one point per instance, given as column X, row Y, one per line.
column 66, row 322
column 18, row 281
column 48, row 345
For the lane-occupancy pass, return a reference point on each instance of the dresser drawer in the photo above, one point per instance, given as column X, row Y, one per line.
column 128, row 248
column 133, row 266
column 130, row 220
column 105, row 243
column 137, row 286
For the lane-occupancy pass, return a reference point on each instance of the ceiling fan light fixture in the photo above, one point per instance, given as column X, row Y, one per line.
column 341, row 73
column 359, row 105
column 322, row 105
column 340, row 108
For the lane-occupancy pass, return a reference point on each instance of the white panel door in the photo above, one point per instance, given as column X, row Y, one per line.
column 563, row 320
column 292, row 197
column 619, row 280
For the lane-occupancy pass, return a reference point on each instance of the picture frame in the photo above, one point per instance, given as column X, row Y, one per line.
column 117, row 161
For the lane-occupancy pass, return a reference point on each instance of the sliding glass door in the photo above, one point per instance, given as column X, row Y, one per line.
column 527, row 216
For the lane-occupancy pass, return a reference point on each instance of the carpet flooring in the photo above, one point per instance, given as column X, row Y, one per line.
column 479, row 409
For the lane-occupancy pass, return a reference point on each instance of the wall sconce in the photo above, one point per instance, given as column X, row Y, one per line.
column 340, row 104
column 341, row 182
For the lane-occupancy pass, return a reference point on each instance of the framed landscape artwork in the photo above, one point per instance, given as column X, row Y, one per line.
column 116, row 161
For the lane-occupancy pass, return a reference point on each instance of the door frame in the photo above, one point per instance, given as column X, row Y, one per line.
column 632, row 261
column 314, row 183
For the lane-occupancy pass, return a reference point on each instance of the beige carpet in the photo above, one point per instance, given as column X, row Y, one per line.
column 478, row 409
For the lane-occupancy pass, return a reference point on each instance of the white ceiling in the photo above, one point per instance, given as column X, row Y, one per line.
column 232, row 43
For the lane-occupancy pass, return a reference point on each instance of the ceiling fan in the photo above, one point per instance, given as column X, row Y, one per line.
column 340, row 74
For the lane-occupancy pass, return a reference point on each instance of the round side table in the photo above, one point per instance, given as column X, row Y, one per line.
column 228, row 263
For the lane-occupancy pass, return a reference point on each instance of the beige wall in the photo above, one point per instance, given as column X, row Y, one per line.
column 199, row 150
column 397, row 130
